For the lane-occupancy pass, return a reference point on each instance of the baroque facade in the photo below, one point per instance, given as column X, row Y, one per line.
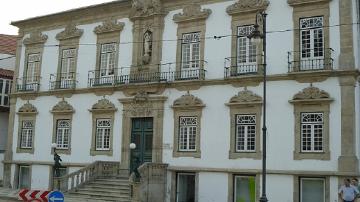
column 175, row 88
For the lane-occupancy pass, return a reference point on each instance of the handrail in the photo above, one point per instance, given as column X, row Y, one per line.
column 70, row 182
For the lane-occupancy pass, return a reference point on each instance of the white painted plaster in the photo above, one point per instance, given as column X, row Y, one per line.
column 213, row 187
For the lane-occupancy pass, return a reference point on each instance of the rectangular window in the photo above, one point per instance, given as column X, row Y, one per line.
column 311, row 39
column 63, row 132
column 24, row 177
column 246, row 49
column 107, row 59
column 244, row 189
column 245, row 133
column 32, row 71
column 185, row 187
column 187, row 133
column 190, row 51
column 312, row 125
column 5, row 87
column 312, row 190
column 103, row 127
column 68, row 62
column 26, row 140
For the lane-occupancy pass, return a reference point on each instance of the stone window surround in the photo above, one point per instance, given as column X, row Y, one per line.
column 305, row 9
column 174, row 184
column 297, row 178
column 16, row 176
column 231, row 181
column 108, row 32
column 190, row 21
column 311, row 99
column 246, row 102
column 24, row 116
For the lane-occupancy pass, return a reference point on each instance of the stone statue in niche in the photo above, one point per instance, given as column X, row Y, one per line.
column 147, row 47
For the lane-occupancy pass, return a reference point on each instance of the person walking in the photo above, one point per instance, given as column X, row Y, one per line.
column 348, row 192
column 355, row 183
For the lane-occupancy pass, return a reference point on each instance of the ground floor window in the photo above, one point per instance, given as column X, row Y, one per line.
column 244, row 189
column 24, row 177
column 312, row 190
column 185, row 189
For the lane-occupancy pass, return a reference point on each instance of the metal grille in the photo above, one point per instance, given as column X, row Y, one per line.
column 187, row 136
column 27, row 134
column 103, row 127
column 312, row 125
column 63, row 133
column 245, row 133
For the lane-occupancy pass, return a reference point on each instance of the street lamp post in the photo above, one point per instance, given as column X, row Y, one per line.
column 57, row 166
column 258, row 34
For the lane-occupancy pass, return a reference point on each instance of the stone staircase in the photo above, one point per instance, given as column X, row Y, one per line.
column 101, row 189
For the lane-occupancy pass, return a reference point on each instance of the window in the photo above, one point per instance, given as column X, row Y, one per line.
column 312, row 190
column 312, row 125
column 32, row 71
column 244, row 189
column 185, row 189
column 187, row 133
column 5, row 87
column 103, row 128
column 312, row 38
column 24, row 177
column 190, row 55
column 68, row 64
column 107, row 59
column 63, row 133
column 245, row 133
column 26, row 141
column 246, row 49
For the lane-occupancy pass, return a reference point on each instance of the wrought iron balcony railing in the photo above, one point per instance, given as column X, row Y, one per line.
column 234, row 68
column 63, row 81
column 28, row 84
column 301, row 61
column 164, row 73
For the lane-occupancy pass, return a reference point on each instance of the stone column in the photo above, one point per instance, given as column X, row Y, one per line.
column 348, row 161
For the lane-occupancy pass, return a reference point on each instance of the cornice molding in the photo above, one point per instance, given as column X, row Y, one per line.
column 103, row 105
column 192, row 12
column 35, row 38
column 63, row 107
column 245, row 97
column 28, row 108
column 109, row 26
column 243, row 6
column 71, row 31
column 188, row 101
column 302, row 2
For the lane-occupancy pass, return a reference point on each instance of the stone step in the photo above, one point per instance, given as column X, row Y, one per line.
column 75, row 198
column 110, row 183
column 103, row 190
column 98, row 196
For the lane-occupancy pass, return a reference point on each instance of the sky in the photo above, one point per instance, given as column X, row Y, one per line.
column 14, row 10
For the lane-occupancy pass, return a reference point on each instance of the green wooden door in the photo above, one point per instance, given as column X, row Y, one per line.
column 142, row 136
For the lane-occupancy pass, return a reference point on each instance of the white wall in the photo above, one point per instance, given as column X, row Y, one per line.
column 40, row 177
column 213, row 187
column 8, row 63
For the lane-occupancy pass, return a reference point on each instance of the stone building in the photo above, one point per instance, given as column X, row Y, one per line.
column 183, row 82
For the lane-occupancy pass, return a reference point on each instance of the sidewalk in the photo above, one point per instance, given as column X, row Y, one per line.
column 8, row 195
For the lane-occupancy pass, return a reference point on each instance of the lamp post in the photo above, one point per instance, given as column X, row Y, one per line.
column 135, row 170
column 57, row 165
column 258, row 34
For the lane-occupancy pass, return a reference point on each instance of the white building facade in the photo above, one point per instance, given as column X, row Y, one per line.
column 182, row 81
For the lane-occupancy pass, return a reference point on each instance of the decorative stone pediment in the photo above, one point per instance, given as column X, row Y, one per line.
column 311, row 93
column 245, row 97
column 192, row 12
column 103, row 105
column 28, row 108
column 109, row 26
column 71, row 31
column 35, row 38
column 63, row 107
column 301, row 2
column 243, row 6
column 188, row 100
column 143, row 8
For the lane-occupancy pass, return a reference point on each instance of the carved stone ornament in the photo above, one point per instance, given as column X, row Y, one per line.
column 188, row 100
column 301, row 2
column 141, row 105
column 245, row 96
column 109, row 26
column 35, row 38
column 142, row 8
column 28, row 108
column 70, row 32
column 62, row 106
column 243, row 6
column 103, row 105
column 192, row 12
column 311, row 93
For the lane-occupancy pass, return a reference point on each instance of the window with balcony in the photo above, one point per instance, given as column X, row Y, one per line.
column 31, row 80
column 246, row 51
column 190, row 54
column 5, row 87
column 67, row 71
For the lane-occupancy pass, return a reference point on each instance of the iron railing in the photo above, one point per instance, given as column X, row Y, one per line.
column 233, row 68
column 297, row 63
column 28, row 84
column 63, row 81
